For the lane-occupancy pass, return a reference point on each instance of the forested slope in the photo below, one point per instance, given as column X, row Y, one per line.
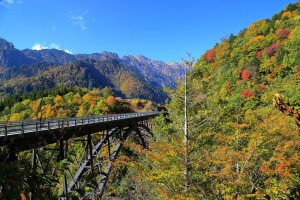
column 85, row 73
column 63, row 102
column 131, row 76
column 240, row 145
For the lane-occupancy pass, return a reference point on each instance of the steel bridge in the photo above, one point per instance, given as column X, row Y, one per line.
column 100, row 137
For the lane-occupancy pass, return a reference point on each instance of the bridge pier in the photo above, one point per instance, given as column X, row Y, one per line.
column 91, row 156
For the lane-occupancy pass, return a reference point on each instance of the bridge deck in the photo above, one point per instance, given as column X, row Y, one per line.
column 32, row 134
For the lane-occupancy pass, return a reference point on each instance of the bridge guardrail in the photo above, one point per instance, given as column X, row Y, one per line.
column 29, row 126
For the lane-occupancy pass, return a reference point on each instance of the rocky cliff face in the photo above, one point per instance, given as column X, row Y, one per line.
column 159, row 73
column 9, row 56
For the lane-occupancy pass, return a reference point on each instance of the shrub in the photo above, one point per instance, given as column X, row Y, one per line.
column 284, row 33
column 246, row 75
column 247, row 94
column 271, row 50
column 259, row 55
column 210, row 55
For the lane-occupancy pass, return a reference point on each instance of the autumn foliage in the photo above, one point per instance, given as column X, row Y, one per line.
column 72, row 104
column 210, row 55
column 284, row 33
column 271, row 50
column 241, row 147
column 246, row 75
column 247, row 94
column 259, row 55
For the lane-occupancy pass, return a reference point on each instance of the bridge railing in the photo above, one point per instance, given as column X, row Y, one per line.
column 29, row 126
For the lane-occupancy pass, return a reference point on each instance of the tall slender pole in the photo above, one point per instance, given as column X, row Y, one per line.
column 186, row 139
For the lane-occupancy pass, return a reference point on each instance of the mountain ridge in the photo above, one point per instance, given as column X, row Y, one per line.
column 146, row 78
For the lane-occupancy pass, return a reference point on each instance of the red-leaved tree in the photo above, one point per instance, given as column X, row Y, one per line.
column 246, row 75
column 259, row 55
column 247, row 94
column 271, row 50
column 210, row 55
column 284, row 33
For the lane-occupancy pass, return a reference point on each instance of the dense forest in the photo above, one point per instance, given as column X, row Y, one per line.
column 243, row 116
column 65, row 102
column 243, row 103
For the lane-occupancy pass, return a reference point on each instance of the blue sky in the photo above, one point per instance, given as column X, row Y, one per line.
column 159, row 29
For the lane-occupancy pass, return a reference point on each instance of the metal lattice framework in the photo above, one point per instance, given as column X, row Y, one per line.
column 99, row 138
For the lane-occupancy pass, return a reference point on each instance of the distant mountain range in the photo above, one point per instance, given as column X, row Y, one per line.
column 129, row 76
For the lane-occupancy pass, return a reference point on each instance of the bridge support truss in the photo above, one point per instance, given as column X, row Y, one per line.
column 74, row 166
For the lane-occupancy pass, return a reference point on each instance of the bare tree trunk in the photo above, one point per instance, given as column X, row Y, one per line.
column 186, row 139
column 188, row 64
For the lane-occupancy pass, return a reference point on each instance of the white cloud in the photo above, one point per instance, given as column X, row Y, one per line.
column 54, row 46
column 39, row 46
column 79, row 20
column 6, row 2
column 67, row 51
